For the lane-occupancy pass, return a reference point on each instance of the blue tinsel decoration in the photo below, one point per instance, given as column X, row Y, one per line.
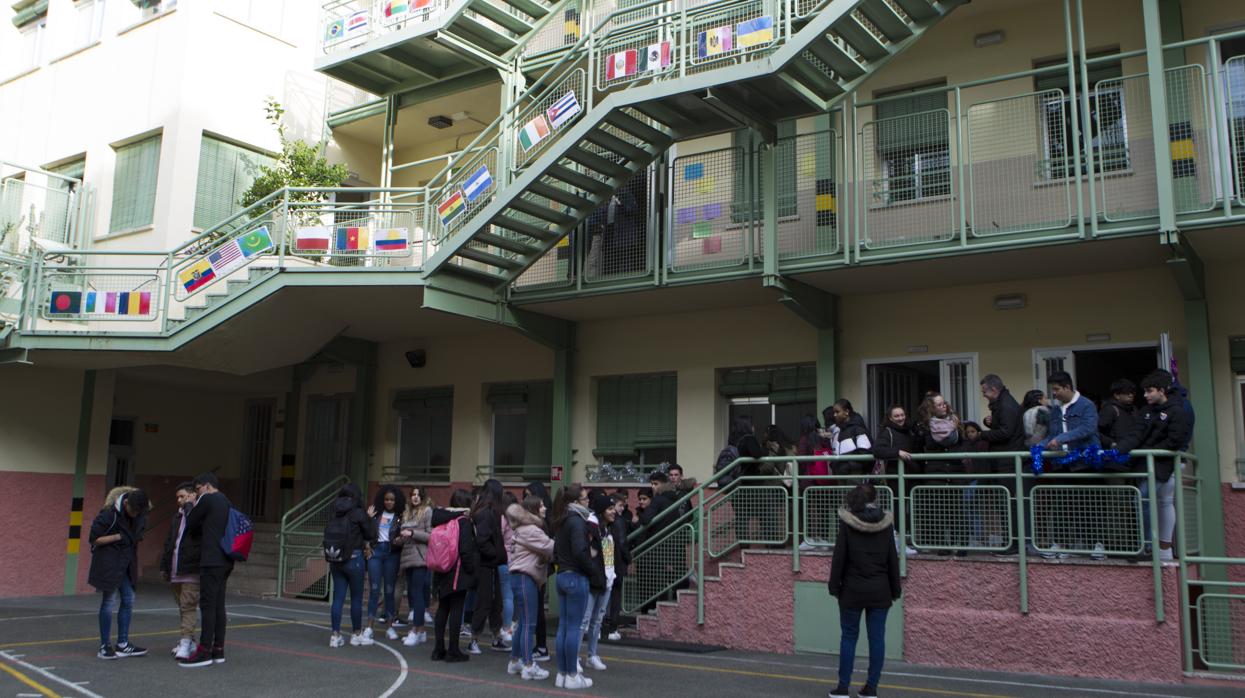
column 1095, row 458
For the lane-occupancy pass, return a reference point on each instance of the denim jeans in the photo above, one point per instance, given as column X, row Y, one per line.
column 382, row 568
column 507, row 595
column 348, row 575
column 120, row 600
column 417, row 583
column 849, row 624
column 526, row 606
column 572, row 599
column 594, row 613
column 1166, row 508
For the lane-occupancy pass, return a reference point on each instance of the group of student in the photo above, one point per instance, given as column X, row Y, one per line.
column 492, row 552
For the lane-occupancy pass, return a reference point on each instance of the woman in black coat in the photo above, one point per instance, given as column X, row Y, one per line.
column 114, row 537
column 864, row 577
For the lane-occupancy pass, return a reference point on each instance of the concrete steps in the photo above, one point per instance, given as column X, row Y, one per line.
column 255, row 577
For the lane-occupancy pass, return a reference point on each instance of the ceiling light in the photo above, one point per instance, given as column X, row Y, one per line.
column 1010, row 301
column 989, row 39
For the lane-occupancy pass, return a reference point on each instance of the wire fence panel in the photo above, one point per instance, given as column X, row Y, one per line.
column 1191, row 528
column 551, row 111
column 559, row 32
column 1013, row 186
column 1087, row 519
column 35, row 206
column 471, row 188
column 1124, row 144
column 748, row 515
column 908, row 193
column 101, row 294
column 821, row 511
column 711, row 213
column 618, row 235
column 554, row 269
column 659, row 568
column 717, row 34
column 1234, row 80
column 961, row 517
column 808, row 203
column 1221, row 629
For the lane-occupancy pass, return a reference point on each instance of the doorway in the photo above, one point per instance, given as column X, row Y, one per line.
column 1093, row 369
column 257, row 430
column 120, row 452
column 328, row 439
column 904, row 381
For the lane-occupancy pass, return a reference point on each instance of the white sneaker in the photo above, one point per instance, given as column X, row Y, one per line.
column 1100, row 552
column 514, row 667
column 428, row 619
column 506, row 637
column 1052, row 552
column 411, row 639
column 560, row 681
column 367, row 635
column 473, row 647
column 362, row 639
column 336, row 640
column 1166, row 554
column 184, row 648
column 910, row 551
column 423, row 637
column 595, row 663
column 614, row 636
column 579, row 667
column 533, row 672
column 410, row 617
column 807, row 547
column 465, row 631
column 577, row 682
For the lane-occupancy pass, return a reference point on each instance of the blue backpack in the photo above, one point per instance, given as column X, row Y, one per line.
column 238, row 536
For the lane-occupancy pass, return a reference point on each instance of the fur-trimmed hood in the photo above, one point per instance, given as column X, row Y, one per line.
column 114, row 496
column 517, row 516
column 871, row 520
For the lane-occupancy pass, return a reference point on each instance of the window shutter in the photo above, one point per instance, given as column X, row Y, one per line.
column 635, row 412
column 1237, row 354
column 609, row 441
column 28, row 11
column 539, row 447
column 226, row 171
column 908, row 124
column 658, row 411
column 134, row 185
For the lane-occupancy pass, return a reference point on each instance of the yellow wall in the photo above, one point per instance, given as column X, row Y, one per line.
column 39, row 416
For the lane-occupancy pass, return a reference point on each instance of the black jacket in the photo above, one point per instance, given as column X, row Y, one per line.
column 864, row 572
column 1164, row 427
column 663, row 498
column 622, row 550
column 571, row 546
column 362, row 527
column 930, row 445
column 596, row 580
column 1007, row 429
column 205, row 525
column 749, row 447
column 853, row 440
column 187, row 552
column 1115, row 422
column 395, row 526
column 464, row 578
column 891, row 440
column 489, row 539
column 113, row 562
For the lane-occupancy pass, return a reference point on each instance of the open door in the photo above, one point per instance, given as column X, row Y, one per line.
column 1048, row 361
column 1166, row 356
column 959, row 380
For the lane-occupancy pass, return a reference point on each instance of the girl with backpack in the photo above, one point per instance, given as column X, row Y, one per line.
column 382, row 567
column 347, row 545
column 573, row 555
column 529, row 550
column 412, row 541
column 453, row 558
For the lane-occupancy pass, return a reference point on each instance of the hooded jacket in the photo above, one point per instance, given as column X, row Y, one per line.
column 415, row 548
column 187, row 549
column 572, row 548
column 464, row 578
column 864, row 572
column 112, row 562
column 1165, row 427
column 362, row 527
column 1115, row 421
column 893, row 438
column 530, row 549
column 663, row 498
column 853, row 440
column 205, row 524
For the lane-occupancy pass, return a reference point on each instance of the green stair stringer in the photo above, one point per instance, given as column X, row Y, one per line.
column 828, row 54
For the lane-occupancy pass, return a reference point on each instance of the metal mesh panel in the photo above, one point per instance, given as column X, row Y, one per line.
column 719, row 34
column 395, row 15
column 1190, row 528
column 961, row 517
column 1010, row 175
column 468, row 185
column 1124, row 153
column 89, row 294
column 708, row 226
column 1087, row 519
column 629, row 56
column 1234, row 80
column 553, row 269
column 29, row 207
column 805, row 8
column 1221, row 630
column 345, row 24
column 659, row 567
column 226, row 256
column 808, row 195
column 821, row 506
column 908, row 185
column 618, row 234
column 536, row 114
column 748, row 514
column 560, row 32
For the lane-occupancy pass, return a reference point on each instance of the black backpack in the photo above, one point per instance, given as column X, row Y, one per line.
column 336, row 542
column 727, row 456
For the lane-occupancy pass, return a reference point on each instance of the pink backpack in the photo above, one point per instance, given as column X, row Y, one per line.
column 443, row 547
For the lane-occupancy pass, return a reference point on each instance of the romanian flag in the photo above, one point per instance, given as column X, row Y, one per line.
column 715, row 42
column 65, row 303
column 196, row 276
column 350, row 239
column 391, row 240
column 451, row 208
column 755, row 32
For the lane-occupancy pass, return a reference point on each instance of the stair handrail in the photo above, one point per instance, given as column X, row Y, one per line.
column 303, row 509
column 516, row 53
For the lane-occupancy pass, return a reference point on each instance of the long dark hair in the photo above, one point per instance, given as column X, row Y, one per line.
column 399, row 500
column 489, row 498
column 1033, row 398
column 460, row 499
column 860, row 498
column 775, row 433
column 562, row 507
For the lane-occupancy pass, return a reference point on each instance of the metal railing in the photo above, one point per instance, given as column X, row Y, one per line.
column 520, row 473
column 37, row 205
column 987, row 503
column 299, row 543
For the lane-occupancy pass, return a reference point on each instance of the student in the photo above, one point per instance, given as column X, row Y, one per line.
column 1074, row 421
column 206, row 525
column 487, row 515
column 897, row 440
column 529, row 551
column 1035, row 415
column 604, row 574
column 1115, row 419
column 1005, row 433
column 620, row 529
column 541, row 653
column 179, row 565
column 382, row 567
column 503, row 572
column 359, row 531
column 864, row 577
column 451, row 587
column 852, row 438
column 573, row 556
column 115, row 534
column 412, row 541
column 938, row 427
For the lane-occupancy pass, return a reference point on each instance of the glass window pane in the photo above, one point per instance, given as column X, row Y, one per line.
column 509, row 437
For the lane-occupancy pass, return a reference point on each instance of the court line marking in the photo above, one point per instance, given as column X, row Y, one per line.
column 42, row 690
column 73, row 687
column 66, row 641
column 82, row 613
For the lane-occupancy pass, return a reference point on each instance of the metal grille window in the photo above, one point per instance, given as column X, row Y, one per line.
column 636, row 417
column 522, row 423
column 425, row 426
column 912, row 144
column 226, row 171
column 1105, row 119
column 134, row 184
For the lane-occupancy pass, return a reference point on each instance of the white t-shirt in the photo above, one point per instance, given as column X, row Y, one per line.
column 386, row 520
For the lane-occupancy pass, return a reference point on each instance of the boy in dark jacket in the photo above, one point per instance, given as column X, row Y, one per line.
column 206, row 525
column 114, row 537
column 1115, row 419
column 451, row 587
column 179, row 565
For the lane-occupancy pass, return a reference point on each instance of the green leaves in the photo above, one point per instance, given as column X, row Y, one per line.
column 299, row 165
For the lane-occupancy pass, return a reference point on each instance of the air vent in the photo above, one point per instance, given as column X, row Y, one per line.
column 440, row 121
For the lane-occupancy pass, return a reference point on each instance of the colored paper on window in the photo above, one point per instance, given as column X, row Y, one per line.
column 693, row 171
column 711, row 245
column 479, row 182
column 714, row 42
column 685, row 216
column 451, row 208
column 755, row 32
column 702, row 230
column 65, row 303
column 196, row 276
column 706, row 185
column 711, row 211
column 533, row 132
column 570, row 25
column 808, row 165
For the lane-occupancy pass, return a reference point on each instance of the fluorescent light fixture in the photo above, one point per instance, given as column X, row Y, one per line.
column 1010, row 301
column 1098, row 337
column 992, row 38
column 918, row 349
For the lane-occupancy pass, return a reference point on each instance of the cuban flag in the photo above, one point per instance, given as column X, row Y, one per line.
column 562, row 110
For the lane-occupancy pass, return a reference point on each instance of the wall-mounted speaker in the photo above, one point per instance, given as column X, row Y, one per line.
column 416, row 358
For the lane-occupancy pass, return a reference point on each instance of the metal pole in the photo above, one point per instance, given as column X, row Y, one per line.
column 1158, row 120
column 795, row 519
column 701, row 530
column 1155, row 564
column 1020, row 539
column 903, row 521
column 1219, row 121
column 1186, row 625
column 959, row 165
column 1088, row 132
column 1076, row 119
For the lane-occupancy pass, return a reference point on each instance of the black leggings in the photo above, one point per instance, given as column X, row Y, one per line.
column 542, row 632
column 449, row 606
column 488, row 602
column 212, row 581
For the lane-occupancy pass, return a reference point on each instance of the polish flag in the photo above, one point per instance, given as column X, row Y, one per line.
column 314, row 238
column 620, row 65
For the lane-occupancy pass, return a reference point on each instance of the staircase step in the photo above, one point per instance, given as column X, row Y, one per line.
column 533, row 231
column 533, row 208
column 637, row 128
column 631, row 152
column 860, row 38
column 666, row 114
column 891, row 24
column 577, row 179
column 483, row 36
column 834, row 56
column 477, row 255
column 920, row 10
column 500, row 16
column 561, row 195
column 597, row 163
column 813, row 78
column 531, row 8
column 506, row 243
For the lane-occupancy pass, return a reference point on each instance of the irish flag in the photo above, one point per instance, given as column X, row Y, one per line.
column 533, row 133
column 620, row 65
column 311, row 239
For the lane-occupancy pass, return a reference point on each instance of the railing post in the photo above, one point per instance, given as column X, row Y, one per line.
column 795, row 519
column 902, row 518
column 1186, row 625
column 959, row 164
column 1076, row 119
column 1087, row 133
column 281, row 562
column 702, row 531
column 1021, row 543
column 167, row 301
column 1156, row 565
column 285, row 216
column 1219, row 123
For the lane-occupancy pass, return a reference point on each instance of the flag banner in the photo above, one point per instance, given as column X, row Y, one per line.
column 90, row 303
column 391, row 240
column 711, row 211
column 395, row 7
column 65, row 303
column 312, row 239
column 620, row 65
column 226, row 258
column 334, row 30
column 451, row 208
column 706, row 185
column 196, row 276
column 693, row 171
column 255, row 242
column 534, row 132
column 755, row 32
column 656, row 58
column 685, row 216
column 356, row 23
column 714, row 42
column 127, row 303
column 702, row 230
column 827, row 207
column 479, row 182
column 351, row 239
column 563, row 110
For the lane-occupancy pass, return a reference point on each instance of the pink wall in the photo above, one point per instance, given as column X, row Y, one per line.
column 37, row 511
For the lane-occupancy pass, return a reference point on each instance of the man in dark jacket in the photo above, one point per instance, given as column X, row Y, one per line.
column 179, row 565
column 1005, row 432
column 663, row 498
column 1115, row 419
column 114, row 537
column 206, row 525
column 620, row 529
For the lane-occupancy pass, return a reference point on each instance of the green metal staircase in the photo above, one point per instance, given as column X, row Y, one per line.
column 820, row 51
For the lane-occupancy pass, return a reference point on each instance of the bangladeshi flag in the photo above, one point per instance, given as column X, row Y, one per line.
column 65, row 303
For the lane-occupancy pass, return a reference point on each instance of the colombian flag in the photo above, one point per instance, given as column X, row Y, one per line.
column 391, row 240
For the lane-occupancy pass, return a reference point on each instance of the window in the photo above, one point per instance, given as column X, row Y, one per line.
column 911, row 140
column 522, row 423
column 59, row 205
column 1232, row 53
column 636, row 418
column 226, row 171
column 88, row 24
column 425, row 425
column 134, row 185
column 771, row 395
column 27, row 52
column 1105, row 120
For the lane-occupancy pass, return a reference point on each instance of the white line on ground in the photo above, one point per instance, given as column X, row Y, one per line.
column 278, row 608
column 83, row 613
column 50, row 676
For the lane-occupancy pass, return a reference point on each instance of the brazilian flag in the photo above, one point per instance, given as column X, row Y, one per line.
column 255, row 242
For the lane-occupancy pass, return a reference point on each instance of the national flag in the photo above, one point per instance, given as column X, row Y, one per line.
column 755, row 32
column 135, row 303
column 357, row 22
column 334, row 30
column 256, row 241
column 714, row 42
column 620, row 65
column 391, row 240
column 451, row 208
column 533, row 132
column 89, row 302
column 395, row 7
column 65, row 303
column 226, row 257
column 655, row 58
column 570, row 25
column 314, row 238
column 351, row 238
column 196, row 276
column 478, row 183
column 563, row 110
column 110, row 302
